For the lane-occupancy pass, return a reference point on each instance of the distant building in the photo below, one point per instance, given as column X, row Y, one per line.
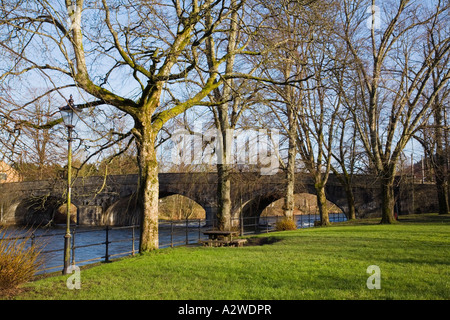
column 8, row 174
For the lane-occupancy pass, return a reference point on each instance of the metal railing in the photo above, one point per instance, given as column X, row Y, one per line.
column 93, row 244
column 265, row 224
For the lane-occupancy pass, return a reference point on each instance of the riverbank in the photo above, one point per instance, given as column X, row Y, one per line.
column 412, row 257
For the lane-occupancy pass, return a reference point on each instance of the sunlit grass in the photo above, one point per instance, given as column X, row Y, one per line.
column 314, row 263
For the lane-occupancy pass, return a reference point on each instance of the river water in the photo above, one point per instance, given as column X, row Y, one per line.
column 90, row 242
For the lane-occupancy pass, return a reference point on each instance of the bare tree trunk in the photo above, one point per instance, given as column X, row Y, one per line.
column 442, row 190
column 322, row 204
column 148, row 189
column 387, row 207
column 440, row 163
column 224, row 164
column 224, row 198
column 387, row 199
column 351, row 215
column 346, row 177
column 223, row 172
column 289, row 198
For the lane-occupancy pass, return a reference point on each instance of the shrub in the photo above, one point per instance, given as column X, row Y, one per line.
column 19, row 260
column 286, row 224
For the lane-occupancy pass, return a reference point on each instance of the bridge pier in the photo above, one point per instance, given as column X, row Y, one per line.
column 89, row 215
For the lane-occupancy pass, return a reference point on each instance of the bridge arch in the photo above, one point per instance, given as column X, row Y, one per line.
column 124, row 211
column 185, row 207
column 254, row 207
column 38, row 210
column 252, row 210
column 304, row 203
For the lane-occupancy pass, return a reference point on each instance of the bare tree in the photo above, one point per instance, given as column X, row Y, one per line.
column 440, row 159
column 38, row 146
column 433, row 136
column 393, row 72
column 125, row 55
column 318, row 114
column 296, row 63
column 347, row 154
column 229, row 102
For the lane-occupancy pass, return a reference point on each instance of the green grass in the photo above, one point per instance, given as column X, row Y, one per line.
column 315, row 263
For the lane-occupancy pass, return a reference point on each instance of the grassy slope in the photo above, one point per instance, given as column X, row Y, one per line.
column 315, row 263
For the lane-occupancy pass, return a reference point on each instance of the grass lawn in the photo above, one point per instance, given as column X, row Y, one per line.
column 316, row 263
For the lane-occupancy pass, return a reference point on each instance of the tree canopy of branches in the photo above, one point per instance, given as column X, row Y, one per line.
column 394, row 62
column 125, row 54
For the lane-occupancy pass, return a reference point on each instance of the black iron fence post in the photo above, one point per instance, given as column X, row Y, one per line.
column 242, row 224
column 171, row 233
column 199, row 229
column 107, row 244
column 33, row 236
column 73, row 246
column 132, row 239
column 187, row 231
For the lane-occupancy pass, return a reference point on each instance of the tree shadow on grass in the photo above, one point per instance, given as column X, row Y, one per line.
column 411, row 218
column 425, row 218
column 260, row 241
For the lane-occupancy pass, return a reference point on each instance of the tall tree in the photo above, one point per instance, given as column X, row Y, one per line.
column 39, row 146
column 224, row 97
column 347, row 153
column 296, row 63
column 124, row 55
column 433, row 136
column 441, row 102
column 229, row 102
column 393, row 74
column 283, row 38
column 319, row 108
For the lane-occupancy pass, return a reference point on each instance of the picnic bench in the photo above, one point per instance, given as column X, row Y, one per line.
column 220, row 238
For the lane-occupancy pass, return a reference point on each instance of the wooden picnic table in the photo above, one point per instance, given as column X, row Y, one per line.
column 219, row 238
column 220, row 234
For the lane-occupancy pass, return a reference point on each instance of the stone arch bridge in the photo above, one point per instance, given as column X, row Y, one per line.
column 109, row 200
